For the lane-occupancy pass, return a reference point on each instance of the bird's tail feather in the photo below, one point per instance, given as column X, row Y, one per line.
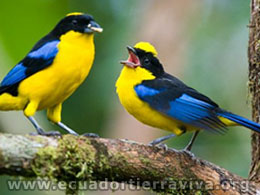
column 241, row 120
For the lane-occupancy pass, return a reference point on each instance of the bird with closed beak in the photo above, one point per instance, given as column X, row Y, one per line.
column 51, row 71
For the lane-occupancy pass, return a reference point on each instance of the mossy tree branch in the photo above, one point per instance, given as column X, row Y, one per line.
column 73, row 158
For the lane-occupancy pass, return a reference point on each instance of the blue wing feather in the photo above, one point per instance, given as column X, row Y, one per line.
column 16, row 74
column 47, row 51
column 35, row 61
column 194, row 112
column 183, row 107
column 143, row 91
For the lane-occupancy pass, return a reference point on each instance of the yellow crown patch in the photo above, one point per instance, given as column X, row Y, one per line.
column 74, row 14
column 146, row 46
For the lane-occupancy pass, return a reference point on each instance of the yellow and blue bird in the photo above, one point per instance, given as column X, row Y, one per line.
column 51, row 71
column 160, row 100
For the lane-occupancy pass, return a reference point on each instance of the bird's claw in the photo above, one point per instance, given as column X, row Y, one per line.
column 93, row 135
column 48, row 133
column 160, row 145
column 53, row 133
column 33, row 133
column 153, row 143
column 163, row 146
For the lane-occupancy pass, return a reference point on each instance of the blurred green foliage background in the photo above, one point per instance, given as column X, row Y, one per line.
column 215, row 63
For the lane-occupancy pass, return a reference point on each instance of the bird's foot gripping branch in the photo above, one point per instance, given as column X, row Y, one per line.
column 80, row 161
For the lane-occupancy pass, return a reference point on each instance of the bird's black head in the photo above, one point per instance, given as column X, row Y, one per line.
column 77, row 22
column 144, row 55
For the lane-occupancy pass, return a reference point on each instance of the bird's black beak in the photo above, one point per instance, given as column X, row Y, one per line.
column 93, row 27
column 133, row 60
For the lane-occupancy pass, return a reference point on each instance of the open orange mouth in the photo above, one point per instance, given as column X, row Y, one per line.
column 133, row 60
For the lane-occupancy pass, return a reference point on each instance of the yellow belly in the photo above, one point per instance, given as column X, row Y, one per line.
column 140, row 110
column 56, row 83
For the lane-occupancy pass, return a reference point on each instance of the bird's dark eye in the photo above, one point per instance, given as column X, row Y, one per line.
column 146, row 61
column 74, row 22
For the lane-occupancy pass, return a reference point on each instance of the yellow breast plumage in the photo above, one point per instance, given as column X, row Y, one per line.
column 125, row 84
column 69, row 69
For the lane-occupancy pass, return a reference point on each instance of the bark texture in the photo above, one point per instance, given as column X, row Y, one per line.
column 254, row 84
